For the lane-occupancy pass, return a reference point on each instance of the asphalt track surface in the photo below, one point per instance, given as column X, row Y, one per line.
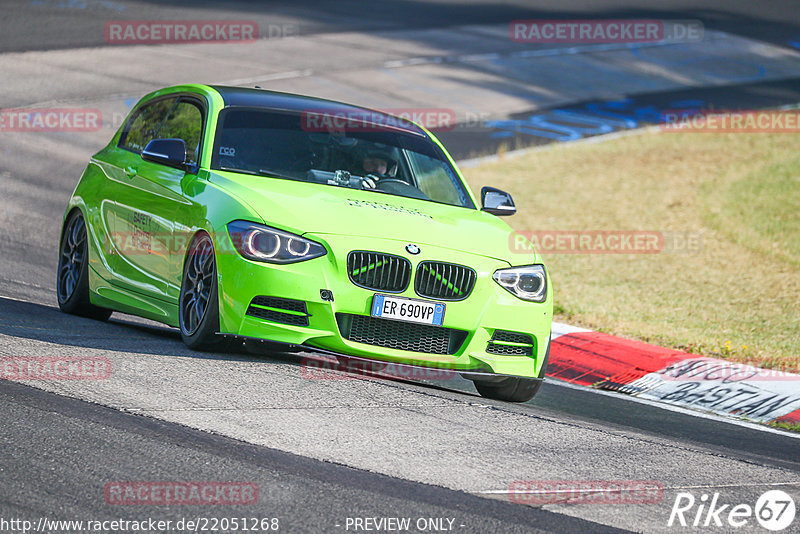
column 303, row 494
column 319, row 450
column 49, row 24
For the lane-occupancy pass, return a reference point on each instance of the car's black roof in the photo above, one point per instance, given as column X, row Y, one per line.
column 262, row 98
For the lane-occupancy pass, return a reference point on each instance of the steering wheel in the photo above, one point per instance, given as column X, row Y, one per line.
column 400, row 187
column 381, row 181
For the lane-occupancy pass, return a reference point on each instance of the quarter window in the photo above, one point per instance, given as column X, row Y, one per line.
column 144, row 126
column 170, row 118
column 185, row 121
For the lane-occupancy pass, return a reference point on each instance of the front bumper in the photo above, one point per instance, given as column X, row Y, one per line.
column 475, row 320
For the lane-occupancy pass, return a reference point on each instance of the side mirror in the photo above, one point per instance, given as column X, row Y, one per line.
column 497, row 202
column 171, row 152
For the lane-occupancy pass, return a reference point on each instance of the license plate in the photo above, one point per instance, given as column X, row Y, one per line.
column 412, row 310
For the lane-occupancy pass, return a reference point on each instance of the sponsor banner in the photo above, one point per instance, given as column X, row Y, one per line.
column 540, row 492
column 180, row 493
column 665, row 375
column 716, row 370
column 51, row 120
column 55, row 368
column 722, row 121
column 132, row 32
column 576, row 31
column 722, row 387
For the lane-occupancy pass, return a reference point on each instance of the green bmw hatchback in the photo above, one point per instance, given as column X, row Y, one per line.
column 245, row 215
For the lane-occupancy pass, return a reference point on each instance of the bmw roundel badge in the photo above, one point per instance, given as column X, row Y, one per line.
column 412, row 249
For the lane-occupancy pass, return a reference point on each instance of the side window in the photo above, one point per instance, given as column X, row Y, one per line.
column 143, row 127
column 185, row 121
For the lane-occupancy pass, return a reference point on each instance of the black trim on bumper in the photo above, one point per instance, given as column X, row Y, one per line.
column 465, row 373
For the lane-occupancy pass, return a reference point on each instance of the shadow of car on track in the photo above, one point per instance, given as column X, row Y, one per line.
column 133, row 335
column 122, row 333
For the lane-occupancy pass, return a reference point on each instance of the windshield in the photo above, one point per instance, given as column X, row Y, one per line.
column 376, row 158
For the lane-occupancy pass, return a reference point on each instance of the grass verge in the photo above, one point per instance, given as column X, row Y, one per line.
column 792, row 427
column 727, row 283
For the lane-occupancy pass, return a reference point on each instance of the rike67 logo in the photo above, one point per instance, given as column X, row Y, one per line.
column 774, row 510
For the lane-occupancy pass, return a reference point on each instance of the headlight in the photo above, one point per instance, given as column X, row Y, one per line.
column 262, row 243
column 528, row 282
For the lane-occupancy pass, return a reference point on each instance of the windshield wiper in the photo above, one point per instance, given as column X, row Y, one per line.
column 267, row 172
column 243, row 171
column 260, row 172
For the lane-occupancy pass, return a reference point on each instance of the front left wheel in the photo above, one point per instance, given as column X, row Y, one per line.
column 198, row 311
column 72, row 280
column 513, row 388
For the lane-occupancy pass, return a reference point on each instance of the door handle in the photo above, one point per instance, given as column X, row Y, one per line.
column 131, row 171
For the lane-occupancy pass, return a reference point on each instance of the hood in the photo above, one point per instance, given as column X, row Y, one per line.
column 305, row 208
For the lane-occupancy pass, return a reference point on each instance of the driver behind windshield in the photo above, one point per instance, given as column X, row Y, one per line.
column 377, row 165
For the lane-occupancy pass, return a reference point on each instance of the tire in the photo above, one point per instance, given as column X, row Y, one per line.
column 512, row 388
column 72, row 276
column 198, row 304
